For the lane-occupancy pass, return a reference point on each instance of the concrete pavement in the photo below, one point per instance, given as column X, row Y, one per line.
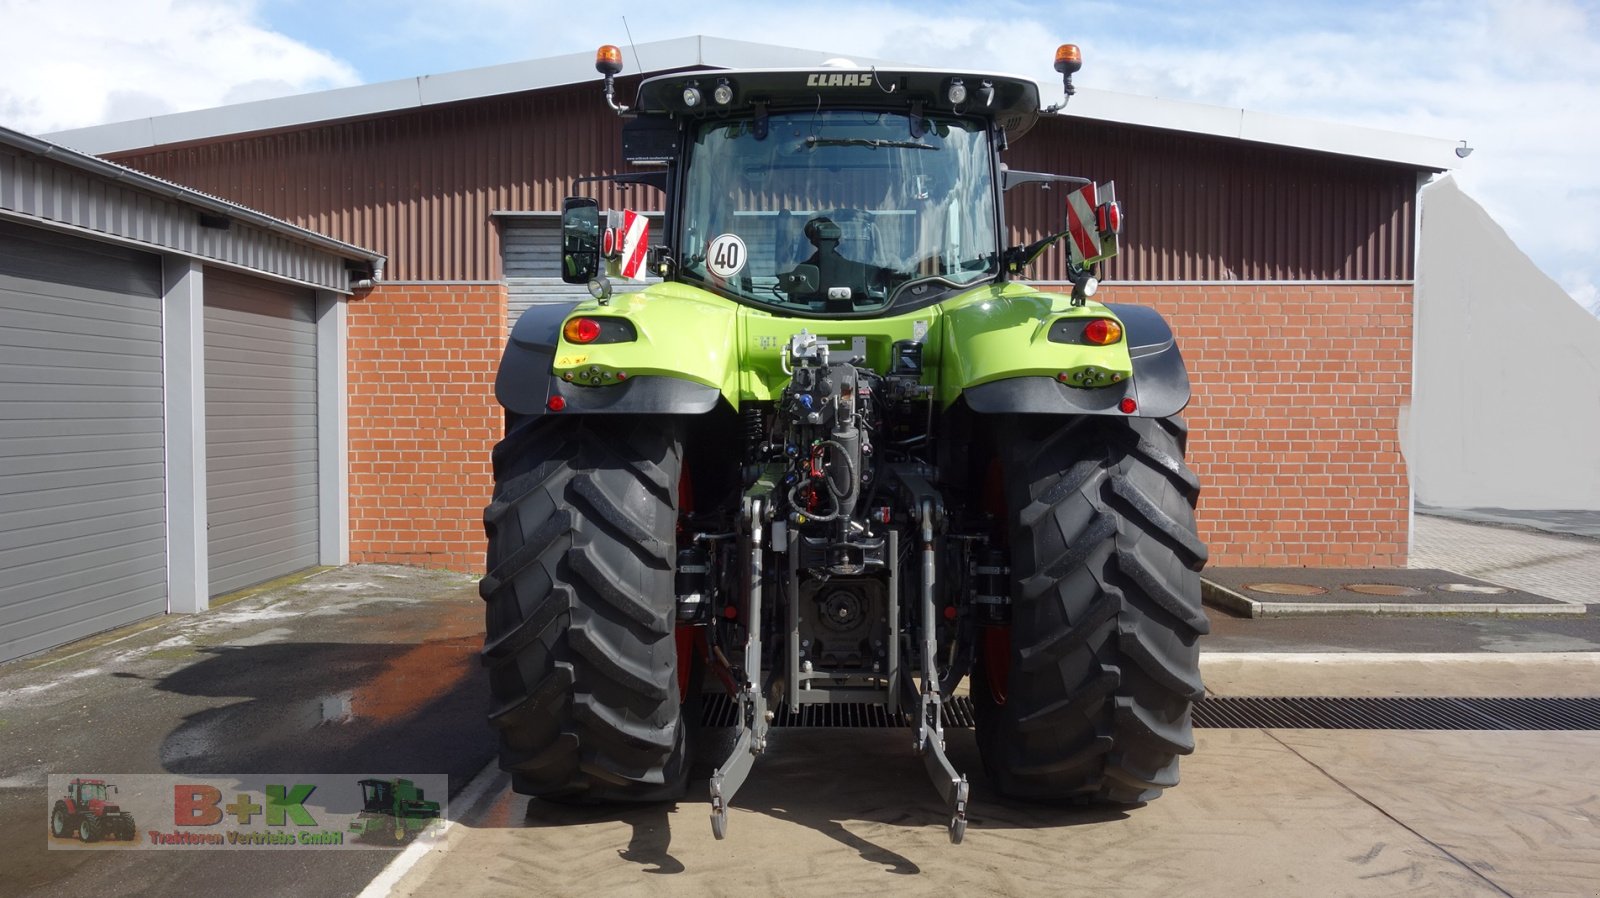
column 1580, row 523
column 1558, row 565
column 374, row 669
column 366, row 669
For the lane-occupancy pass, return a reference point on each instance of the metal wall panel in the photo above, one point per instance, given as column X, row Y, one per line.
column 422, row 183
column 261, row 430
column 421, row 186
column 49, row 192
column 82, row 467
column 531, row 260
column 531, row 248
column 1207, row 209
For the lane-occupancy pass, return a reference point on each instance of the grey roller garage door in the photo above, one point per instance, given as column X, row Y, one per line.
column 82, row 459
column 261, row 430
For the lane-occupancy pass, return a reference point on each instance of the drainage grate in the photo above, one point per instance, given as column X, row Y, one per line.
column 1400, row 713
column 1252, row 713
column 722, row 711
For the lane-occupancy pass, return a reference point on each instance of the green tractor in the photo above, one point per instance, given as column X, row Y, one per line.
column 394, row 809
column 836, row 452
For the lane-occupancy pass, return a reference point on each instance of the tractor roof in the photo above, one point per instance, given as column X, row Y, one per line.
column 701, row 51
column 1014, row 103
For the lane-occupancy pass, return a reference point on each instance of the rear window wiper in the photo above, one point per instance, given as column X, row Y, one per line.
column 874, row 143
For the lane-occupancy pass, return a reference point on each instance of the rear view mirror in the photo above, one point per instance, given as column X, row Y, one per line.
column 580, row 239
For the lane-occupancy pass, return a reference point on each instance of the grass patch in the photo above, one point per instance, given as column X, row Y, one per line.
column 286, row 580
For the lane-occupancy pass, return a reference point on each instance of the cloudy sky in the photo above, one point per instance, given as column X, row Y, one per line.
column 1519, row 80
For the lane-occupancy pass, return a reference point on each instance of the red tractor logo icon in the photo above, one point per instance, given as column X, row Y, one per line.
column 87, row 813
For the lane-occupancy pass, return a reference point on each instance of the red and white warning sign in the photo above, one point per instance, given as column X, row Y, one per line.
column 1093, row 220
column 625, row 242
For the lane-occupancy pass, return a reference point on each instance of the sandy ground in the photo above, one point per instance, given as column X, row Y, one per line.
column 1259, row 812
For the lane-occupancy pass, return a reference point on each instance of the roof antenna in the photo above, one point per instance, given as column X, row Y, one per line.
column 632, row 46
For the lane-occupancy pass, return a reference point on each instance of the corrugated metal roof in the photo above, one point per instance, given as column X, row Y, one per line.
column 1429, row 153
column 64, row 189
column 704, row 51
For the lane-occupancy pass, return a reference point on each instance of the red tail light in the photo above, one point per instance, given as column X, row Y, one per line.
column 1102, row 332
column 581, row 330
column 1108, row 218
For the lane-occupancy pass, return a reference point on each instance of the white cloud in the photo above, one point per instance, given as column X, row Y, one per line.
column 81, row 62
column 1518, row 79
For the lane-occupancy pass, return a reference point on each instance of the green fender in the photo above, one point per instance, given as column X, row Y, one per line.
column 682, row 359
column 1002, row 348
column 1014, row 349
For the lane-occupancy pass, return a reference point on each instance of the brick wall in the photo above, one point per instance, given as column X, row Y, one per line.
column 1293, row 427
column 1298, row 391
column 423, row 421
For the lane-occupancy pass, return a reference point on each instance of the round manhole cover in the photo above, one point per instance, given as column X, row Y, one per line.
column 1286, row 589
column 1481, row 589
column 1383, row 589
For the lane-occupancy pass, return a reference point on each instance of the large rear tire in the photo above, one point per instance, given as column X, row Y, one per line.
column 1093, row 700
column 62, row 824
column 580, row 614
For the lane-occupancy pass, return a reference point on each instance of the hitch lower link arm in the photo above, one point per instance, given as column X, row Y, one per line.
column 952, row 786
column 753, row 714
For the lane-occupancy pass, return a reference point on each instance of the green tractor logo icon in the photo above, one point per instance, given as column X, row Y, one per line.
column 392, row 809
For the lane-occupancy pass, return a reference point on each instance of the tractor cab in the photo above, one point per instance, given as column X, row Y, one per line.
column 400, row 799
column 377, row 796
column 86, row 791
column 834, row 192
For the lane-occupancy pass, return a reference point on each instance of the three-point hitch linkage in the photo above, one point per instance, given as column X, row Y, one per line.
column 845, row 637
